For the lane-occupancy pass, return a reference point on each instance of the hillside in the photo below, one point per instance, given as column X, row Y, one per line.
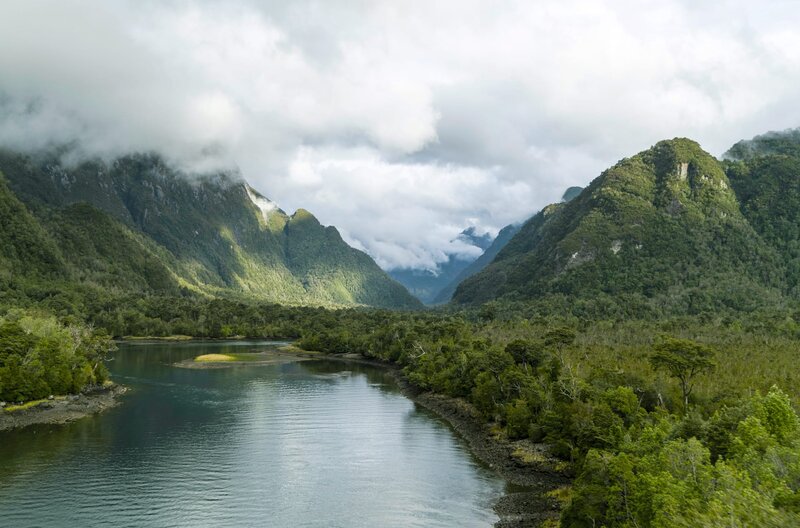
column 765, row 173
column 138, row 224
column 660, row 231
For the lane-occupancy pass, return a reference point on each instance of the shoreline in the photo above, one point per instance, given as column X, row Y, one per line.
column 521, row 463
column 64, row 409
column 533, row 475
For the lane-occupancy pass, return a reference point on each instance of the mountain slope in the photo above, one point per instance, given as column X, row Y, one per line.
column 26, row 249
column 209, row 233
column 766, row 178
column 661, row 228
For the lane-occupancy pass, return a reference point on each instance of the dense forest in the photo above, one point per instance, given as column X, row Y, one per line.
column 655, row 354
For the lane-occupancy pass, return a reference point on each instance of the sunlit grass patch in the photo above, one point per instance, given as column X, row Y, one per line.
column 529, row 456
column 23, row 406
column 215, row 358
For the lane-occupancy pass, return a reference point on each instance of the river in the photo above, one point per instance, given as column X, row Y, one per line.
column 302, row 444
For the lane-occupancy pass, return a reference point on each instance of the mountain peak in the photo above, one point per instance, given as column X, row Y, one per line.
column 266, row 206
column 656, row 222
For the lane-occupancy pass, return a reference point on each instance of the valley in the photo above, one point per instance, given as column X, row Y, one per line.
column 638, row 336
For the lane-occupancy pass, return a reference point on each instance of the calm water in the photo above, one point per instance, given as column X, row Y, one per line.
column 314, row 443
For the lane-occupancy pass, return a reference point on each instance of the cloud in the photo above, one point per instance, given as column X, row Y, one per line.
column 399, row 122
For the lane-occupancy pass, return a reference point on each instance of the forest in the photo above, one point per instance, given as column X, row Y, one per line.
column 661, row 421
column 646, row 331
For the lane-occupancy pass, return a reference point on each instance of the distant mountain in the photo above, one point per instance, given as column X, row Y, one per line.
column 662, row 231
column 786, row 143
column 137, row 224
column 571, row 193
column 426, row 284
column 503, row 237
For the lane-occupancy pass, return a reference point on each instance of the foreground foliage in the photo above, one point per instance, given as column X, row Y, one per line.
column 40, row 357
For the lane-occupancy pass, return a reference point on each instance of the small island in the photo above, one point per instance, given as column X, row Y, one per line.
column 269, row 356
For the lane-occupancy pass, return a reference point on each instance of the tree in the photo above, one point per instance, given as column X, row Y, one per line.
column 525, row 353
column 684, row 360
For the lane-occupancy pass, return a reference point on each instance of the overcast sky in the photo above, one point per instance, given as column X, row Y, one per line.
column 399, row 122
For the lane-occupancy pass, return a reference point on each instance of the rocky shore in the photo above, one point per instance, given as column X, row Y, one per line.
column 63, row 409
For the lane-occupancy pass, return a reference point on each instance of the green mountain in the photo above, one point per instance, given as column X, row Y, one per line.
column 26, row 250
column 765, row 173
column 137, row 224
column 662, row 231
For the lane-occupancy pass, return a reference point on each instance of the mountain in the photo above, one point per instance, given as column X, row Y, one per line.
column 503, row 237
column 138, row 224
column 765, row 173
column 571, row 193
column 786, row 143
column 427, row 284
column 661, row 231
column 486, row 258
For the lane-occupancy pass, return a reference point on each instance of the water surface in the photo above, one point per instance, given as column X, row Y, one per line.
column 312, row 444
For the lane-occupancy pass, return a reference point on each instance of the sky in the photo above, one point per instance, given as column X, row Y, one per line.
column 399, row 122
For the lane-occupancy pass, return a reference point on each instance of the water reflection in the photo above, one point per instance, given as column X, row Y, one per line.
column 314, row 443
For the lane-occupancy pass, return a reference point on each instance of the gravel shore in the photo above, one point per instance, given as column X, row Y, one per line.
column 63, row 410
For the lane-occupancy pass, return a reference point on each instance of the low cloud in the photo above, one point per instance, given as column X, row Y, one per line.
column 400, row 123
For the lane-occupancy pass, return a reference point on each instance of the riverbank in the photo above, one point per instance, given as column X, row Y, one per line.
column 540, row 478
column 536, row 479
column 62, row 409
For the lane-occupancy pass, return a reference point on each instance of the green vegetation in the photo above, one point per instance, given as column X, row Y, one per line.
column 613, row 401
column 646, row 330
column 137, row 225
column 658, row 234
column 40, row 357
column 684, row 360
column 27, row 405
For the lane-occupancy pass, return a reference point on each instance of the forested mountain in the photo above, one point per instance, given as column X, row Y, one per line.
column 660, row 231
column 765, row 173
column 137, row 224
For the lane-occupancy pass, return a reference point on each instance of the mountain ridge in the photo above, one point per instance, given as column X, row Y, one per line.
column 218, row 235
column 663, row 228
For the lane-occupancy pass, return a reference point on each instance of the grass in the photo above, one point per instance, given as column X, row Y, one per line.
column 28, row 405
column 216, row 358
column 176, row 337
column 529, row 456
column 224, row 358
